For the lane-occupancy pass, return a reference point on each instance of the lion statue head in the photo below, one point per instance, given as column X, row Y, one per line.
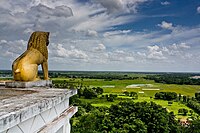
column 39, row 40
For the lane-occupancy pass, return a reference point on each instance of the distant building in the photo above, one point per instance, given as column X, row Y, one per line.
column 184, row 122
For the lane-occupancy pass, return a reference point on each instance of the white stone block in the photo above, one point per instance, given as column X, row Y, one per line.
column 60, row 130
column 38, row 122
column 45, row 116
column 26, row 125
column 15, row 129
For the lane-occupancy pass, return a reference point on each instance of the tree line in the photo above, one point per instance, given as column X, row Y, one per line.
column 94, row 75
column 166, row 95
column 174, row 79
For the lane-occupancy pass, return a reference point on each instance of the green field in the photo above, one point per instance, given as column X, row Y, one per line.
column 146, row 91
column 120, row 86
column 174, row 107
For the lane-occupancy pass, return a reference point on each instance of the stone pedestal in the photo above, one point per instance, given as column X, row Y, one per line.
column 19, row 84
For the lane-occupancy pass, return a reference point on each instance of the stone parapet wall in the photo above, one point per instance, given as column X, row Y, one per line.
column 43, row 110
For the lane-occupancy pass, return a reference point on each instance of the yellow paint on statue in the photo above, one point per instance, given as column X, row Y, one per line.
column 25, row 67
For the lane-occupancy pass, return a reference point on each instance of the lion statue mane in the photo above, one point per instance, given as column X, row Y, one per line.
column 25, row 67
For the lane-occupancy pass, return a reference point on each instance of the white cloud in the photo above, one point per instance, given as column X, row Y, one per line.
column 166, row 25
column 143, row 55
column 156, row 55
column 3, row 41
column 166, row 53
column 198, row 9
column 92, row 33
column 165, row 3
column 28, row 31
column 120, row 52
column 120, row 6
column 153, row 48
column 12, row 49
column 78, row 54
column 100, row 47
column 184, row 46
column 188, row 56
column 120, row 56
column 154, row 52
column 179, row 46
column 165, row 49
column 111, row 5
column 116, row 32
column 42, row 11
column 72, row 53
column 100, row 22
column 129, row 59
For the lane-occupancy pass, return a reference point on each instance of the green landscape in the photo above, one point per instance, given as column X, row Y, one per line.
column 146, row 91
column 174, row 96
column 98, row 92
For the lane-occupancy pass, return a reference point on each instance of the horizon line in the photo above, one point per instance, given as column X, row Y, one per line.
column 128, row 71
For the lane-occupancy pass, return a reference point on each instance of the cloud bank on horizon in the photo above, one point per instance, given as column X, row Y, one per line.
column 117, row 35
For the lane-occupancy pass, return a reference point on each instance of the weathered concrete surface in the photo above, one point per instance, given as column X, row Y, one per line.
column 6, row 93
column 19, row 84
column 22, row 108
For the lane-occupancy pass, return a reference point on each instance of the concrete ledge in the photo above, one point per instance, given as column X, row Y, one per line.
column 19, row 84
column 18, row 109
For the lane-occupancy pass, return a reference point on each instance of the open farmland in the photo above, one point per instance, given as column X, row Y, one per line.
column 146, row 89
column 149, row 88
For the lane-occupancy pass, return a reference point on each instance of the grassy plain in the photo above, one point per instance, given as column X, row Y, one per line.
column 146, row 91
column 171, row 108
column 120, row 86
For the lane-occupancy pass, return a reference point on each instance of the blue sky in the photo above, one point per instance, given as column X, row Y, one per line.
column 106, row 35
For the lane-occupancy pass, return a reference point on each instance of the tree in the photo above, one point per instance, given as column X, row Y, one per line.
column 191, row 112
column 179, row 96
column 183, row 111
column 110, row 98
column 187, row 98
column 134, row 95
column 126, row 93
column 127, row 117
column 80, row 92
column 166, row 95
column 180, row 111
column 137, row 126
column 89, row 93
column 152, row 115
column 99, row 90
column 184, row 99
column 197, row 96
column 194, row 105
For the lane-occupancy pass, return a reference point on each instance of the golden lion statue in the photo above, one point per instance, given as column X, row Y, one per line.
column 25, row 67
